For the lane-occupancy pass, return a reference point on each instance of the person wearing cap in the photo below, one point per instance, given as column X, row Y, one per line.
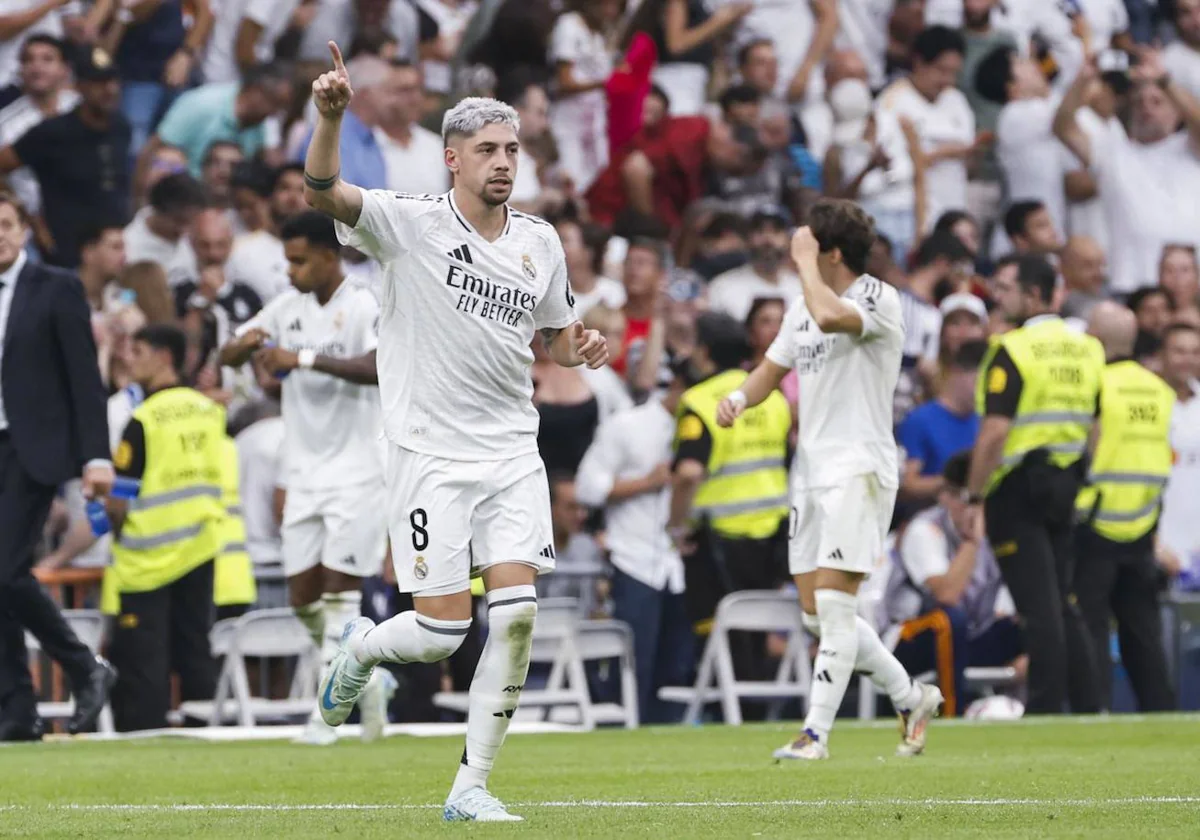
column 80, row 159
column 964, row 319
column 767, row 275
column 729, row 498
column 1038, row 396
column 1117, row 574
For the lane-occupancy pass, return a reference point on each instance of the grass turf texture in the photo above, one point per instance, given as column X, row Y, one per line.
column 1079, row 778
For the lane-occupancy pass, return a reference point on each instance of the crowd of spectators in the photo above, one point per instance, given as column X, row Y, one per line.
column 675, row 145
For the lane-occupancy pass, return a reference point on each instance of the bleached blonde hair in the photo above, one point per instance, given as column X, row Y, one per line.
column 473, row 113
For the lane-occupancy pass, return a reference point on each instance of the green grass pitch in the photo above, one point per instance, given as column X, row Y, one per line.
column 1086, row 778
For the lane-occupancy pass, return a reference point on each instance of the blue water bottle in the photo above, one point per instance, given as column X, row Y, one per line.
column 123, row 488
column 279, row 374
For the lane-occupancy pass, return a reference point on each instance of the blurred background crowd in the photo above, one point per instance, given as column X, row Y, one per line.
column 675, row 145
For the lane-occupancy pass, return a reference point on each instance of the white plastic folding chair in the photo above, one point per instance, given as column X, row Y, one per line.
column 604, row 641
column 89, row 627
column 761, row 611
column 271, row 633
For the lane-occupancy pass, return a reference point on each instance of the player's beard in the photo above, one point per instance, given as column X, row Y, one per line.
column 494, row 194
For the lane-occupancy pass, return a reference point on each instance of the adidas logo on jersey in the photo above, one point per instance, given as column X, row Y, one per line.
column 547, row 552
column 295, row 326
column 836, row 554
column 462, row 254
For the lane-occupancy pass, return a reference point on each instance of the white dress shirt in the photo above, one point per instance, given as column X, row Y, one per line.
column 8, row 282
column 630, row 445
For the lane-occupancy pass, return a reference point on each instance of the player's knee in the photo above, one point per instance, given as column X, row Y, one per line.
column 442, row 639
column 521, row 621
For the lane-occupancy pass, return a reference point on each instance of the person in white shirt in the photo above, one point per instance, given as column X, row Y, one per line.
column 583, row 246
column 244, row 34
column 321, row 336
column 412, row 154
column 451, row 18
column 468, row 281
column 45, row 79
column 260, row 466
column 941, row 116
column 627, row 471
column 1179, row 528
column 1046, row 19
column 1028, row 152
column 159, row 231
column 767, row 275
column 1148, row 178
column 864, row 29
column 23, row 19
column 844, row 338
column 265, row 198
column 1181, row 58
column 579, row 113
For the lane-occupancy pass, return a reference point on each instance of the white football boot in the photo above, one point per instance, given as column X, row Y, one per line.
column 346, row 679
column 317, row 733
column 806, row 747
column 477, row 805
column 916, row 721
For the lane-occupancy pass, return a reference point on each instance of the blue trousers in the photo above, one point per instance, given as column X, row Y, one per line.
column 663, row 643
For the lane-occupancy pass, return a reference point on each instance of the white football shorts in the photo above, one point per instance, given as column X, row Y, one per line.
column 449, row 520
column 842, row 527
column 342, row 528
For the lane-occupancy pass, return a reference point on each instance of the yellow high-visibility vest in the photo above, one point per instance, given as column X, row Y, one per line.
column 1060, row 374
column 174, row 525
column 745, row 494
column 233, row 572
column 1133, row 455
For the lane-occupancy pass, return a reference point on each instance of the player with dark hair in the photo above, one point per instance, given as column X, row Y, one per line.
column 845, row 339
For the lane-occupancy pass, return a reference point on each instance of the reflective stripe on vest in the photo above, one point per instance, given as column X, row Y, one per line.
column 173, row 526
column 1133, row 454
column 744, row 494
column 233, row 572
column 1060, row 374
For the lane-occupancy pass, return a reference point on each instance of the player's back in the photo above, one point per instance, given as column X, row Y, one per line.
column 846, row 388
column 458, row 316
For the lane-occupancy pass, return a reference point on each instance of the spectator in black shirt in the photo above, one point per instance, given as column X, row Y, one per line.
column 81, row 160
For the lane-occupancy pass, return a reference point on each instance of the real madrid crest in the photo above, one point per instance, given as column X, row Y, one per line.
column 527, row 267
column 339, row 318
column 420, row 570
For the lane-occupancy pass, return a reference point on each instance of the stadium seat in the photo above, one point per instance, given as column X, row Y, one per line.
column 89, row 627
column 262, row 633
column 564, row 641
column 762, row 611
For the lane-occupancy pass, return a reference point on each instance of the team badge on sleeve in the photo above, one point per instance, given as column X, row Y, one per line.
column 997, row 380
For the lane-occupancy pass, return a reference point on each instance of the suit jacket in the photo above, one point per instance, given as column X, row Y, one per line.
column 54, row 399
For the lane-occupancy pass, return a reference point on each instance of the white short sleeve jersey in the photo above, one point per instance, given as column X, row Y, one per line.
column 846, row 385
column 333, row 426
column 459, row 314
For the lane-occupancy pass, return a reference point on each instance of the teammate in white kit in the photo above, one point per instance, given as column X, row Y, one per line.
column 844, row 338
column 321, row 334
column 467, row 283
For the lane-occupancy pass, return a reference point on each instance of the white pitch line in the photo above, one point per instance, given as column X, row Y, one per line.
column 1096, row 802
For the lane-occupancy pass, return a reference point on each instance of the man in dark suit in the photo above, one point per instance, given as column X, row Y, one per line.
column 53, row 426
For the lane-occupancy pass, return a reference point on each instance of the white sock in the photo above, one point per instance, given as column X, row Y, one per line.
column 878, row 663
column 884, row 669
column 411, row 637
column 340, row 609
column 312, row 616
column 499, row 678
column 836, row 653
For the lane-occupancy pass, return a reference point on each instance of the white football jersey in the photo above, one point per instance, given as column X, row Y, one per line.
column 333, row 426
column 846, row 387
column 459, row 314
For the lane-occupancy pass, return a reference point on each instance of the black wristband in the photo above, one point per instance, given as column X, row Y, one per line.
column 321, row 184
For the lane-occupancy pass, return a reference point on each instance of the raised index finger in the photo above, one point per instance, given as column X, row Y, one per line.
column 338, row 64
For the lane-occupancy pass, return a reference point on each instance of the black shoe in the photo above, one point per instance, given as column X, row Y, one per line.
column 22, row 730
column 91, row 697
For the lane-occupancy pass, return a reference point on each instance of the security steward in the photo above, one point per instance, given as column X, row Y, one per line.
column 1038, row 397
column 1116, row 573
column 234, row 588
column 729, row 500
column 167, row 538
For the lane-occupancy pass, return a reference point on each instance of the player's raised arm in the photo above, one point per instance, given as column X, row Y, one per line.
column 324, row 189
column 831, row 313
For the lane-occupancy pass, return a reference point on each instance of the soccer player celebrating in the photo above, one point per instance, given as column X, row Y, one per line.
column 322, row 335
column 844, row 338
column 467, row 282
